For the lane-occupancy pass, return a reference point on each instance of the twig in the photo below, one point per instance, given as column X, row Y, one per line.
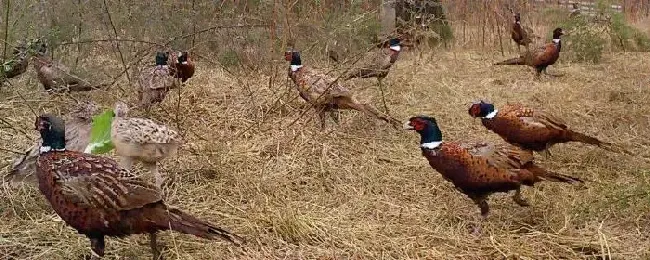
column 117, row 44
column 6, row 38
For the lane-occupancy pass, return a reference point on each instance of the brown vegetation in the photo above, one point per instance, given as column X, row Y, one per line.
column 255, row 159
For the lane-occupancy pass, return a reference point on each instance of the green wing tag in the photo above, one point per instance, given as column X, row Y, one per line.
column 100, row 134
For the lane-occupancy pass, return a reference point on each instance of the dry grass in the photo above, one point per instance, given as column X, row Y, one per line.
column 362, row 190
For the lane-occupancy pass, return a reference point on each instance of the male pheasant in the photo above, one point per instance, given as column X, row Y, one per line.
column 539, row 58
column 77, row 135
column 377, row 64
column 98, row 198
column 182, row 66
column 529, row 128
column 520, row 35
column 478, row 170
column 325, row 93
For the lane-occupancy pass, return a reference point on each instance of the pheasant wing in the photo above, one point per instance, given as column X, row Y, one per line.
column 98, row 182
column 506, row 157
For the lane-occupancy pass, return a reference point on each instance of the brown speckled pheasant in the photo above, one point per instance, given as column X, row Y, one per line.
column 377, row 64
column 156, row 81
column 96, row 197
column 539, row 58
column 529, row 128
column 325, row 93
column 18, row 63
column 141, row 139
column 479, row 170
column 77, row 135
column 56, row 77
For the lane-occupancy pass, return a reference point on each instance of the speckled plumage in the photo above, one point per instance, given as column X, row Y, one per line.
column 479, row 170
column 325, row 93
column 142, row 139
column 59, row 78
column 530, row 128
column 155, row 82
column 18, row 62
column 374, row 64
column 98, row 198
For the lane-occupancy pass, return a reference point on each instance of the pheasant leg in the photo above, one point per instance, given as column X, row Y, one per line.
column 481, row 201
column 322, row 118
column 383, row 96
column 154, row 246
column 153, row 168
column 519, row 199
column 97, row 245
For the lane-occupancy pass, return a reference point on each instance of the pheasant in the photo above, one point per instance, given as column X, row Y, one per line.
column 529, row 128
column 155, row 82
column 18, row 63
column 325, row 93
column 77, row 135
column 377, row 64
column 182, row 67
column 143, row 140
column 57, row 77
column 478, row 170
column 96, row 197
column 541, row 57
column 520, row 35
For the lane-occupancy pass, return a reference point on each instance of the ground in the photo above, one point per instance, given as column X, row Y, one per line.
column 256, row 162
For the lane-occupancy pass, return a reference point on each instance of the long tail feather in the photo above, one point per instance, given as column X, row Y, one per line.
column 185, row 223
column 583, row 138
column 513, row 61
column 553, row 176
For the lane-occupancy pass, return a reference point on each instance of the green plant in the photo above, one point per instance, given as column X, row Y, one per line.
column 584, row 40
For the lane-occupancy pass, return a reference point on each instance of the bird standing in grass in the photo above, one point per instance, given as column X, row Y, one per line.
column 18, row 63
column 77, row 135
column 520, row 35
column 377, row 64
column 478, row 170
column 142, row 139
column 529, row 128
column 539, row 58
column 98, row 198
column 55, row 76
column 156, row 81
column 182, row 66
column 325, row 93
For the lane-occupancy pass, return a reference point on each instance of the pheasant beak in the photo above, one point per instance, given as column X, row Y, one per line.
column 407, row 126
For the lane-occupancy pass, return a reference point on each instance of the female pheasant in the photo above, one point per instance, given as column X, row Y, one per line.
column 57, row 77
column 98, row 198
column 18, row 64
column 479, row 170
column 528, row 128
column 142, row 139
column 156, row 81
column 325, row 92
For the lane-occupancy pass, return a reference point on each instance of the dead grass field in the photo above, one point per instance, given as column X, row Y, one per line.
column 362, row 190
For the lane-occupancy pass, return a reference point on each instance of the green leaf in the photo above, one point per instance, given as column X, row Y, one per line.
column 100, row 134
